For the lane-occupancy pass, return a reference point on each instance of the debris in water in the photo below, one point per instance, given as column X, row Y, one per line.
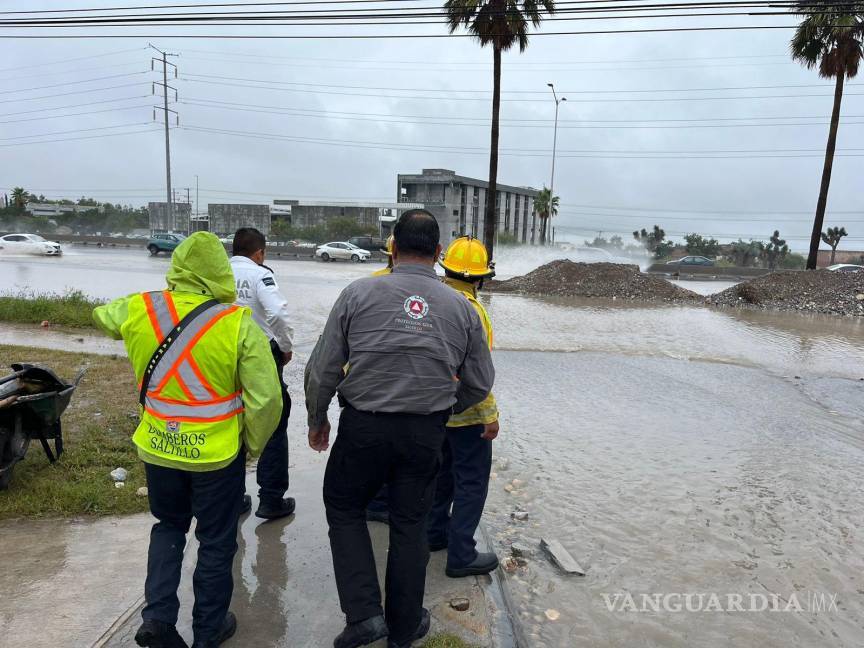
column 45, row 324
column 517, row 483
column 509, row 488
column 460, row 604
column 119, row 474
column 520, row 550
column 561, row 557
column 519, row 516
column 509, row 565
column 503, row 464
column 553, row 615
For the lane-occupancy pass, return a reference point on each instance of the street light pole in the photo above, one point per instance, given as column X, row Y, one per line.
column 558, row 102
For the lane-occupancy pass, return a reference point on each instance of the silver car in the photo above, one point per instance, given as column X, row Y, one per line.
column 29, row 244
column 342, row 250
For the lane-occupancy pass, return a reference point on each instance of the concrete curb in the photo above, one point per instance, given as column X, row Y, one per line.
column 507, row 631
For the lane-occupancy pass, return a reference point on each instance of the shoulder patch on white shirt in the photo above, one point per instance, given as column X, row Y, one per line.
column 268, row 281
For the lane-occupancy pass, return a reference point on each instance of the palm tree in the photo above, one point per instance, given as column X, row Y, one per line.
column 830, row 38
column 832, row 238
column 546, row 206
column 502, row 24
column 19, row 198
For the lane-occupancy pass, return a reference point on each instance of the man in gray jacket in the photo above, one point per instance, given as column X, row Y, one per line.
column 416, row 352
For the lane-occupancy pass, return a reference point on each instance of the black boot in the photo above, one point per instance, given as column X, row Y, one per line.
column 422, row 631
column 156, row 634
column 362, row 633
column 229, row 627
column 246, row 506
column 484, row 563
column 273, row 510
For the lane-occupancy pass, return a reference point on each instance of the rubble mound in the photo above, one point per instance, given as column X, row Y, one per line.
column 811, row 291
column 609, row 280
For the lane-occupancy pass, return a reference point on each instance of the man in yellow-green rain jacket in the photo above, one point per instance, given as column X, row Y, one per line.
column 208, row 397
column 463, row 481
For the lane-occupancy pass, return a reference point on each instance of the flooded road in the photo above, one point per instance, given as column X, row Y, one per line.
column 672, row 450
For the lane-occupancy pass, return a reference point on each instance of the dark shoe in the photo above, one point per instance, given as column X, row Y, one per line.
column 362, row 633
column 275, row 510
column 377, row 516
column 422, row 631
column 484, row 563
column 229, row 627
column 439, row 545
column 246, row 506
column 156, row 634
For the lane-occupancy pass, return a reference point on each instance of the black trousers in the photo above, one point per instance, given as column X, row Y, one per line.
column 463, row 482
column 272, row 472
column 213, row 499
column 402, row 450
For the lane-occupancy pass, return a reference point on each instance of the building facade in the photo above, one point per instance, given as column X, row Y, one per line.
column 178, row 222
column 379, row 216
column 459, row 204
column 225, row 219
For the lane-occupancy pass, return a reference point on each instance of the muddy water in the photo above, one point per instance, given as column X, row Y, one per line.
column 671, row 450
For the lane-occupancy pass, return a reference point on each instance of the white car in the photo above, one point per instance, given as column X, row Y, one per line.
column 846, row 267
column 331, row 251
column 29, row 244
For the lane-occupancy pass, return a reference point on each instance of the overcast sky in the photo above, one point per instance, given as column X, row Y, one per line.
column 418, row 85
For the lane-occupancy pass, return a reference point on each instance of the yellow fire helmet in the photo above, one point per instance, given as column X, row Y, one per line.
column 466, row 256
column 388, row 246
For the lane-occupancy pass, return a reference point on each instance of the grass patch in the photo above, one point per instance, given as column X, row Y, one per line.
column 445, row 641
column 72, row 309
column 97, row 431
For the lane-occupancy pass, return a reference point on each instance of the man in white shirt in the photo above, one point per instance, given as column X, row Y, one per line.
column 257, row 289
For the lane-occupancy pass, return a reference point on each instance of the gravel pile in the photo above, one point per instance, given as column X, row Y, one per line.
column 610, row 280
column 815, row 291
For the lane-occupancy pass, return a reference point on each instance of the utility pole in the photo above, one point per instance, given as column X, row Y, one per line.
column 197, row 208
column 166, row 110
column 558, row 102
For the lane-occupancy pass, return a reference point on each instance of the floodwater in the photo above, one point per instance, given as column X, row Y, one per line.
column 673, row 450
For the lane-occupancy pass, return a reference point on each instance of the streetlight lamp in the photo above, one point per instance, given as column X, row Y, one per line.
column 558, row 102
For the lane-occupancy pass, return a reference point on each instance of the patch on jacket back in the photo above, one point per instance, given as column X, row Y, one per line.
column 268, row 281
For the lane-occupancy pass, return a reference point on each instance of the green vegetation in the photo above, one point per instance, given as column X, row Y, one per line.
column 546, row 206
column 97, row 430
column 832, row 237
column 506, row 238
column 655, row 241
column 830, row 38
column 445, row 641
column 775, row 251
column 701, row 246
column 72, row 309
column 337, row 229
column 501, row 24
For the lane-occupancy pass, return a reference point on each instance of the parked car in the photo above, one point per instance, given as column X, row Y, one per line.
column 164, row 243
column 342, row 250
column 692, row 261
column 29, row 244
column 368, row 242
column 846, row 267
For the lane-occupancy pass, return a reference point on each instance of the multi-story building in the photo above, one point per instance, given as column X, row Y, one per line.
column 225, row 219
column 177, row 221
column 459, row 204
column 311, row 213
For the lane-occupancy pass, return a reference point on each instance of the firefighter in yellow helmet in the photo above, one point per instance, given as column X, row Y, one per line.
column 463, row 480
column 388, row 250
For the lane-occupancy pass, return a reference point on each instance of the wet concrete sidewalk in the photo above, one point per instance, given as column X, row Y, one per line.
column 284, row 590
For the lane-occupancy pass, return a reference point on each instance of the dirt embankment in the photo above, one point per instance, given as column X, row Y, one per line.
column 815, row 291
column 567, row 278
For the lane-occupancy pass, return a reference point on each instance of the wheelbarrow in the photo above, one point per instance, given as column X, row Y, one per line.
column 32, row 400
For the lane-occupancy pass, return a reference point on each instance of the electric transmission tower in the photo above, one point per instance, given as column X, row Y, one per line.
column 165, row 88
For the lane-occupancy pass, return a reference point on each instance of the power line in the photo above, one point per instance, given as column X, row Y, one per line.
column 72, row 139
column 75, row 130
column 78, row 114
column 67, row 83
column 70, row 60
column 67, row 94
column 80, row 105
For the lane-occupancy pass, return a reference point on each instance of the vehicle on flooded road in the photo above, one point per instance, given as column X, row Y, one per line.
column 342, row 250
column 368, row 242
column 692, row 261
column 164, row 243
column 846, row 267
column 29, row 244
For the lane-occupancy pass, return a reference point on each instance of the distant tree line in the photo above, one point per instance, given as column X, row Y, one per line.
column 337, row 229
